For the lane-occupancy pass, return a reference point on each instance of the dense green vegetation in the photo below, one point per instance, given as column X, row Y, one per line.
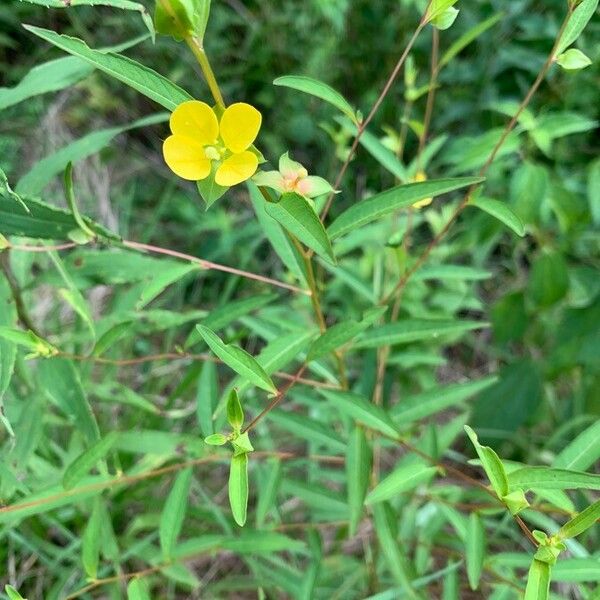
column 256, row 391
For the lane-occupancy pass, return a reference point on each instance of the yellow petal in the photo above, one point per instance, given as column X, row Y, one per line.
column 186, row 157
column 237, row 168
column 239, row 126
column 196, row 120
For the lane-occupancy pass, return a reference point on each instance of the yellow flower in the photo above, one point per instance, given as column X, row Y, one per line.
column 419, row 177
column 199, row 139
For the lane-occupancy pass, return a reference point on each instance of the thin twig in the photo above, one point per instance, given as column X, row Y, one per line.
column 363, row 125
column 483, row 171
column 185, row 356
column 207, row 264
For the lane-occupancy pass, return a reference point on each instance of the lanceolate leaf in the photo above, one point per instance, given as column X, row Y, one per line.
column 397, row 560
column 37, row 219
column 121, row 4
column 552, row 479
column 295, row 214
column 239, row 360
column 362, row 411
column 359, row 458
column 342, row 333
column 501, row 211
column 538, row 581
column 318, row 89
column 492, row 465
column 403, row 479
column 464, row 40
column 584, row 520
column 437, row 399
column 475, row 549
column 387, row 202
column 141, row 78
column 61, row 382
column 82, row 465
column 47, row 77
column 582, row 452
column 278, row 237
column 404, row 332
column 33, row 183
column 238, row 488
column 173, row 513
column 577, row 23
column 90, row 545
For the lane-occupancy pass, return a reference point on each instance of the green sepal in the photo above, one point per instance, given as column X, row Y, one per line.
column 515, row 502
column 242, row 445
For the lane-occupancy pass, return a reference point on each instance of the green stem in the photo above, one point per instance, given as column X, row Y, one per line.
column 316, row 302
column 198, row 50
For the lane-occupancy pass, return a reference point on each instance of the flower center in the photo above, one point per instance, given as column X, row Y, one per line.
column 214, row 152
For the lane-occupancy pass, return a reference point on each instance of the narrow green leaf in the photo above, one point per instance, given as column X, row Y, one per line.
column 267, row 491
column 173, row 513
column 401, row 480
column 582, row 452
column 239, row 360
column 262, row 542
column 577, row 23
column 501, row 211
column 397, row 561
column 53, row 497
column 90, row 543
column 451, row 273
column 36, row 179
column 321, row 90
column 120, row 4
column 552, row 479
column 414, row 330
column 238, row 488
column 391, row 200
column 231, row 311
column 578, row 570
column 475, row 547
column 51, row 76
column 492, row 465
column 425, row 404
column 309, row 429
column 137, row 590
column 141, row 78
column 467, row 38
column 277, row 236
column 36, row 219
column 538, row 581
column 12, row 593
column 207, row 396
column 296, row 215
column 84, row 463
column 584, row 520
column 382, row 154
column 111, row 337
column 361, row 410
column 359, row 458
column 235, row 412
column 62, row 384
column 8, row 350
column 342, row 333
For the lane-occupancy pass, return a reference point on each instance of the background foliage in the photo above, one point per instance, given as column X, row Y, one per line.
column 497, row 330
